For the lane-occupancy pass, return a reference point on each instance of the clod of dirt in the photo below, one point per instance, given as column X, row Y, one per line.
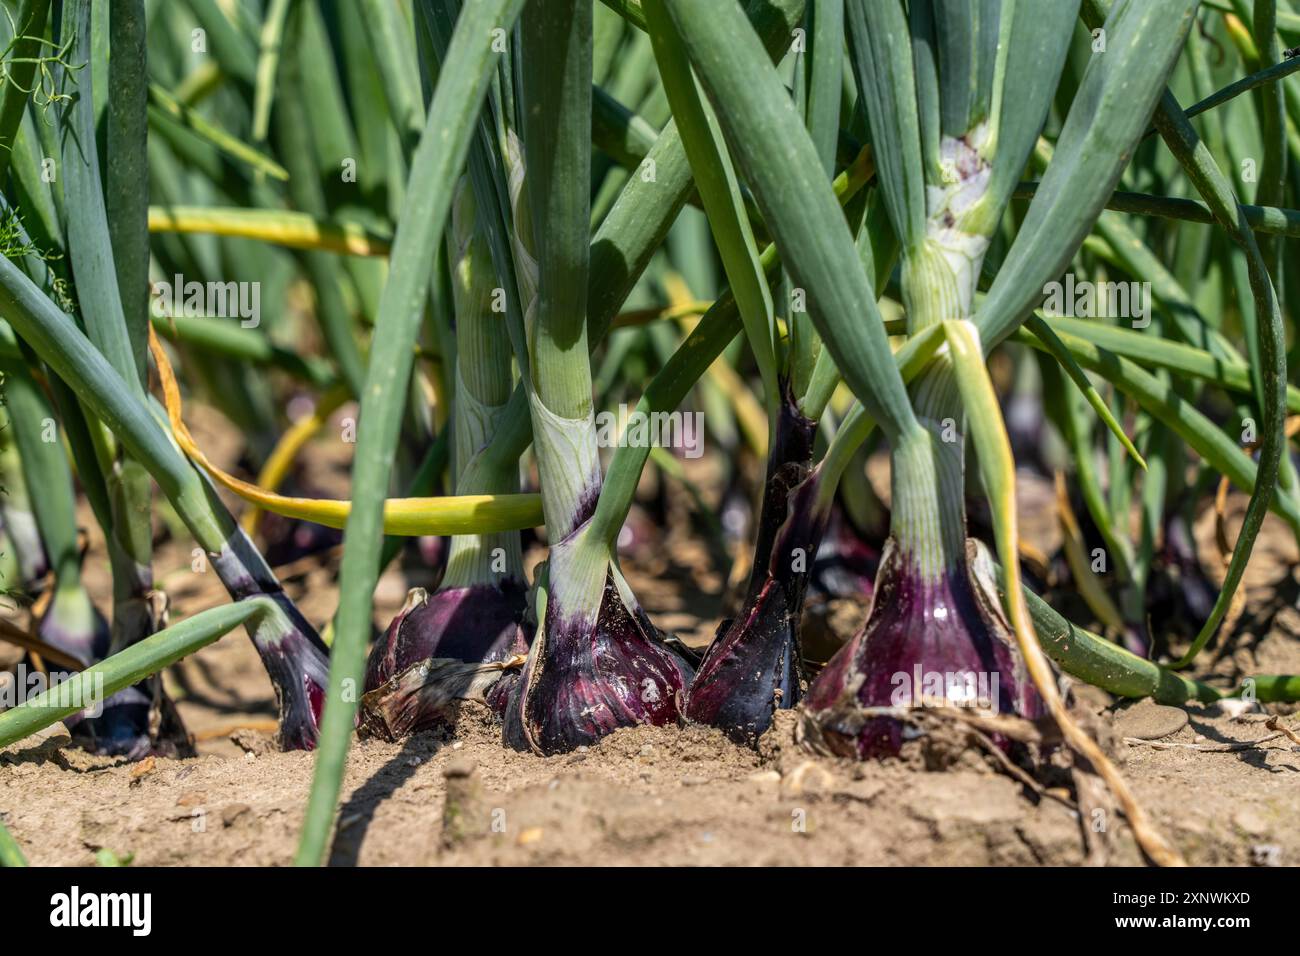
column 255, row 742
column 777, row 745
column 1147, row 720
column 465, row 813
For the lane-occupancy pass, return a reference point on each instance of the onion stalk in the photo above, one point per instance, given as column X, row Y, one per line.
column 476, row 616
column 596, row 663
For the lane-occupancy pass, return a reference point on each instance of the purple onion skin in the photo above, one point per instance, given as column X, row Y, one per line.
column 475, row 624
column 428, row 694
column 295, row 658
column 423, row 666
column 847, row 562
column 498, row 696
column 1181, row 595
column 123, row 727
column 788, row 462
column 299, row 673
column 939, row 626
column 755, row 664
column 589, row 678
column 286, row 539
column 290, row 539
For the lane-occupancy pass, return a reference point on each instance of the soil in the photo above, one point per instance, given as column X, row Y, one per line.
column 643, row 795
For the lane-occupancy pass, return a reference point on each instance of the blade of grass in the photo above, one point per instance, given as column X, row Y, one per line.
column 309, row 162
column 1037, row 48
column 1076, row 428
column 236, row 52
column 45, row 467
column 629, row 10
column 825, row 67
column 639, row 220
column 114, row 314
column 244, row 345
column 620, row 133
column 1104, row 663
column 1270, row 74
column 1155, row 352
column 1272, row 114
column 90, row 242
column 391, row 44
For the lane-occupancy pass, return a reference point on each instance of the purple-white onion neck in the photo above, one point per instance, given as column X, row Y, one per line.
column 576, row 568
column 72, row 624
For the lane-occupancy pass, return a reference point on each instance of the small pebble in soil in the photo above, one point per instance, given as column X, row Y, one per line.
column 143, row 769
column 1235, row 707
column 1266, row 854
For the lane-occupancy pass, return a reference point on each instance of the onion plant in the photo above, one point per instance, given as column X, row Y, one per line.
column 468, row 218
